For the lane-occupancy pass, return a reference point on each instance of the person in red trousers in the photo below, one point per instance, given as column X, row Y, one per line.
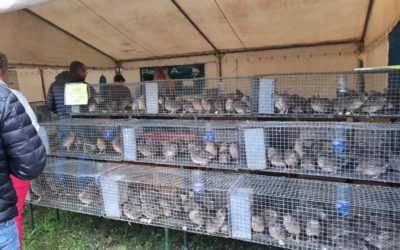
column 21, row 187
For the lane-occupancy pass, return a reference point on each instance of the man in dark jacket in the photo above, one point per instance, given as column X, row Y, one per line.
column 55, row 96
column 55, row 102
column 22, row 154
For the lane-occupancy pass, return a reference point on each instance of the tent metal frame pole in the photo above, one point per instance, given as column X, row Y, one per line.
column 235, row 51
column 72, row 35
column 183, row 12
column 43, row 84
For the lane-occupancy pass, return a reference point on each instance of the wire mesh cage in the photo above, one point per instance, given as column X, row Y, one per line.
column 70, row 184
column 112, row 99
column 368, row 151
column 189, row 200
column 84, row 139
column 172, row 98
column 308, row 214
column 211, row 144
column 336, row 94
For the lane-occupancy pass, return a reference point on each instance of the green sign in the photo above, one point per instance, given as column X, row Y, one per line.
column 175, row 71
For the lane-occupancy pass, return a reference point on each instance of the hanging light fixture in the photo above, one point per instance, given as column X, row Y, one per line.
column 12, row 5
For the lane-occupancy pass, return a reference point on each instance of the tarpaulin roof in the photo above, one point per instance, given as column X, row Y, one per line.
column 137, row 29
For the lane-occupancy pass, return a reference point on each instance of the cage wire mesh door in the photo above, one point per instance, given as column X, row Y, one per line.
column 189, row 200
column 367, row 151
column 334, row 94
column 359, row 94
column 172, row 98
column 211, row 144
column 71, row 184
column 308, row 214
column 84, row 139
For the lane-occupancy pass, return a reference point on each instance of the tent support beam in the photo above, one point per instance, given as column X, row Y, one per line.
column 71, row 35
column 366, row 22
column 52, row 66
column 183, row 12
column 244, row 50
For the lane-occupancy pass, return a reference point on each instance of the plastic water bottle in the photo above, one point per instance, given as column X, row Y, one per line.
column 208, row 135
column 108, row 133
column 342, row 200
column 339, row 143
column 341, row 89
column 197, row 183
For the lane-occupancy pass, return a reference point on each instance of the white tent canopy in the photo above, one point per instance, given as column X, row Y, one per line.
column 231, row 37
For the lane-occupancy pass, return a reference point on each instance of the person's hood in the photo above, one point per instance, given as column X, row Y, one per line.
column 64, row 76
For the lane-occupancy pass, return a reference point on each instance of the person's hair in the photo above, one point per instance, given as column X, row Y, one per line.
column 119, row 78
column 75, row 66
column 3, row 64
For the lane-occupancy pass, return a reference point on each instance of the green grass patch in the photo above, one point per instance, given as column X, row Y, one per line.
column 79, row 231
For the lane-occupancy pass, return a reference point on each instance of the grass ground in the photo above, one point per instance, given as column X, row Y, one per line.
column 78, row 231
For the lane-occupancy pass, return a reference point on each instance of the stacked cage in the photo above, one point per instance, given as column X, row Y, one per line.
column 189, row 200
column 359, row 94
column 84, row 139
column 211, row 144
column 71, row 184
column 111, row 100
column 309, row 214
column 367, row 151
column 305, row 95
column 201, row 97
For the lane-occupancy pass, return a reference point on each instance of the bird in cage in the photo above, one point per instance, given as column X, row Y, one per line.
column 341, row 226
column 188, row 201
column 229, row 107
column 68, row 141
column 196, row 103
column 275, row 158
column 166, row 207
column 281, row 103
column 354, row 103
column 270, row 217
column 138, row 104
column 215, row 221
column 170, row 150
column 40, row 188
column 277, row 233
column 211, row 148
column 292, row 226
column 132, row 211
column 199, row 155
column 320, row 105
column 147, row 148
column 383, row 239
column 351, row 241
column 90, row 195
column 56, row 185
column 198, row 216
column 313, row 229
column 206, row 104
column 375, row 103
column 241, row 107
column 298, row 148
column 187, row 107
column 372, row 167
column 171, row 105
column 290, row 158
column 151, row 211
column 233, row 151
column 219, row 105
column 327, row 163
column 308, row 162
column 257, row 223
column 223, row 155
column 101, row 146
column 116, row 144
